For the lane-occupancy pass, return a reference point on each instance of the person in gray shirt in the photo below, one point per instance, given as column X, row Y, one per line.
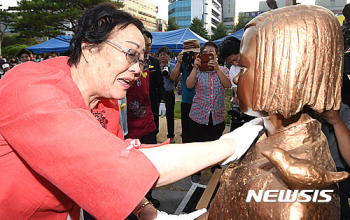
column 335, row 126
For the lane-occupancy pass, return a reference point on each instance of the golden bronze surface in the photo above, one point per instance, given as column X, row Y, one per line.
column 255, row 172
column 301, row 174
column 292, row 58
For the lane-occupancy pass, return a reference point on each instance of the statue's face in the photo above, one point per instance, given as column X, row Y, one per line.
column 245, row 79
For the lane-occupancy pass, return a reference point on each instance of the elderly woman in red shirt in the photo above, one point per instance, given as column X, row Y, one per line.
column 207, row 115
column 55, row 157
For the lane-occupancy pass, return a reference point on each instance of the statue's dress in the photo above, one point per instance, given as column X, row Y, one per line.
column 305, row 140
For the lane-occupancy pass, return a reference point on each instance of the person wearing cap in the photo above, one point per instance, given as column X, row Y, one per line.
column 167, row 68
column 185, row 69
column 346, row 27
column 61, row 146
column 5, row 67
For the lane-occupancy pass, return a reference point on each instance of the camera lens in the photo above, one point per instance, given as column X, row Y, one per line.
column 188, row 57
column 165, row 71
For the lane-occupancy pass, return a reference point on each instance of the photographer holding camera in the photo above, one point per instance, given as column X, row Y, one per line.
column 207, row 115
column 184, row 65
column 166, row 67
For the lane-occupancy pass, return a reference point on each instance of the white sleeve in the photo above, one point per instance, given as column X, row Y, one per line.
column 234, row 70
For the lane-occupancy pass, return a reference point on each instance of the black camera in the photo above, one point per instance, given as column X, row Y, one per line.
column 187, row 57
column 165, row 71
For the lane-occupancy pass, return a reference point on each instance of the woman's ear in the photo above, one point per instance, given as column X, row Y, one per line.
column 88, row 51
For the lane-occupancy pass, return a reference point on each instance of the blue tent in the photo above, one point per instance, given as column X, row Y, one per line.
column 238, row 34
column 58, row 44
column 174, row 39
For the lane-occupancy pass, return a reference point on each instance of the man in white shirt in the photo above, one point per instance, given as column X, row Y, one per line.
column 229, row 51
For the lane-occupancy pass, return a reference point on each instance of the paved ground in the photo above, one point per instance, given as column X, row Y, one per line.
column 171, row 196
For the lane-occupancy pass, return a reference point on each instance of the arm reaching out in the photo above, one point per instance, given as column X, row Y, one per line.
column 177, row 161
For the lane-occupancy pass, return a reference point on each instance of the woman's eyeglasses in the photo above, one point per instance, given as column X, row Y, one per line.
column 132, row 56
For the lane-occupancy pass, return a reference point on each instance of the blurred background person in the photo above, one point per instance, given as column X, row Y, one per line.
column 346, row 27
column 54, row 54
column 183, row 68
column 140, row 117
column 5, row 67
column 13, row 61
column 156, row 83
column 39, row 58
column 167, row 68
column 229, row 51
column 47, row 56
column 24, row 55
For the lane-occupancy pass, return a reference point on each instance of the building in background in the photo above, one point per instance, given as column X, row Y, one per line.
column 161, row 25
column 228, row 14
column 231, row 10
column 184, row 11
column 143, row 10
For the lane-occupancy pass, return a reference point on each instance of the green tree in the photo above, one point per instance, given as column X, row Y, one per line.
column 220, row 32
column 172, row 24
column 12, row 50
column 243, row 19
column 51, row 17
column 13, row 39
column 198, row 27
column 6, row 20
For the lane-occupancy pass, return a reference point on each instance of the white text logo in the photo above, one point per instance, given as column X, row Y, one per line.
column 290, row 195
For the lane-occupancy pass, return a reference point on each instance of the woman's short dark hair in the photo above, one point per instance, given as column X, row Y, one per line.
column 229, row 46
column 210, row 43
column 95, row 26
column 23, row 51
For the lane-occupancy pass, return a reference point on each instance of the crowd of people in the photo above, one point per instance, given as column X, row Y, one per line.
column 98, row 111
column 24, row 55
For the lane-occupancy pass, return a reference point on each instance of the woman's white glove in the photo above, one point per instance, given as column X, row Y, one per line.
column 162, row 109
column 193, row 215
column 244, row 137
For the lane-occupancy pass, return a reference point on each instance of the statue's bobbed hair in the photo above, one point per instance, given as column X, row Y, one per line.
column 299, row 60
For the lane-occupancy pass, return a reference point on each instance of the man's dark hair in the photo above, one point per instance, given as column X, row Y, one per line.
column 23, row 51
column 148, row 34
column 96, row 24
column 210, row 43
column 346, row 12
column 164, row 49
column 229, row 46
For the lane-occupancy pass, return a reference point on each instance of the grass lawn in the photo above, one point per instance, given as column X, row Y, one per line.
column 228, row 96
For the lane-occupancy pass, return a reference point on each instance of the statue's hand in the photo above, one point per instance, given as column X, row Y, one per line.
column 244, row 137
